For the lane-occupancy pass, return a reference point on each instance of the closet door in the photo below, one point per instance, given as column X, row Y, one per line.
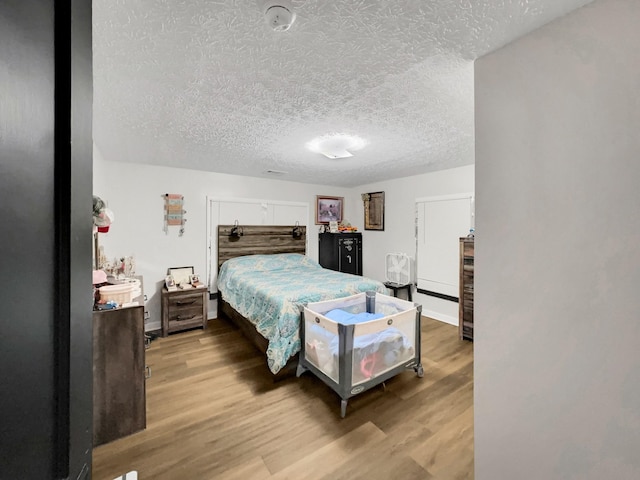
column 441, row 221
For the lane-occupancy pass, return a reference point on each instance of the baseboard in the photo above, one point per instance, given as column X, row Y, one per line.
column 440, row 317
column 152, row 326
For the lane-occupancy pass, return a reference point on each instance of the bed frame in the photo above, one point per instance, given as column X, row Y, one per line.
column 258, row 240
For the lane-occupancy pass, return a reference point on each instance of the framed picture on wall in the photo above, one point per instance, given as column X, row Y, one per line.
column 373, row 210
column 328, row 209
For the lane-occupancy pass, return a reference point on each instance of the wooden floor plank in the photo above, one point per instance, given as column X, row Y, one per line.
column 439, row 453
column 334, row 455
column 214, row 412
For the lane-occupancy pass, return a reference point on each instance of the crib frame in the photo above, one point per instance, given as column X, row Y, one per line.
column 345, row 387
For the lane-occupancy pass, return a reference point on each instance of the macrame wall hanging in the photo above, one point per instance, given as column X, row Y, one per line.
column 174, row 212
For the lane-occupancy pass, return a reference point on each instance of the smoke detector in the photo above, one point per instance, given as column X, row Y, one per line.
column 278, row 14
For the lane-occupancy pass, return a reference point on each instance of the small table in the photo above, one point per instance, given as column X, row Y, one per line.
column 396, row 286
column 184, row 309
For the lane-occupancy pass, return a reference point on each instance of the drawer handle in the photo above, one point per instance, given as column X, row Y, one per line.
column 147, row 371
column 180, row 317
column 179, row 303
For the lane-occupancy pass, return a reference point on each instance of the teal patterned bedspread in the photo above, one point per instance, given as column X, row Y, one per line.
column 269, row 289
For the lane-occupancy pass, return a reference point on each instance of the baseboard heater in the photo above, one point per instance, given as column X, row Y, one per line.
column 438, row 295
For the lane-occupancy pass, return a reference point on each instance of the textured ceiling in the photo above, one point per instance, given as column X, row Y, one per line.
column 207, row 85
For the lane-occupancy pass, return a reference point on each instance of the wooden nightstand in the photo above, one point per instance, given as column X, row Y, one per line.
column 396, row 287
column 183, row 309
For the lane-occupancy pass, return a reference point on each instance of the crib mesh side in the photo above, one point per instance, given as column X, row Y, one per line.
column 321, row 343
column 382, row 345
column 353, row 304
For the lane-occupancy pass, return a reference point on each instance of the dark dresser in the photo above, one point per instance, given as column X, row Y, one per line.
column 341, row 252
column 119, row 396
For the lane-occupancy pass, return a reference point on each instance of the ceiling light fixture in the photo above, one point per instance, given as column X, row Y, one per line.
column 336, row 145
column 278, row 14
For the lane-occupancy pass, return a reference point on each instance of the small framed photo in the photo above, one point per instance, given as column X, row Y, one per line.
column 170, row 282
column 328, row 209
column 194, row 279
column 181, row 274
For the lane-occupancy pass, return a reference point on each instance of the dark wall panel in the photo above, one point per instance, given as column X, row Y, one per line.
column 27, row 238
column 45, row 239
column 80, row 246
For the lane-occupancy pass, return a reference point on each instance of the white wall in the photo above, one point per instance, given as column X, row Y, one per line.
column 135, row 194
column 557, row 336
column 399, row 232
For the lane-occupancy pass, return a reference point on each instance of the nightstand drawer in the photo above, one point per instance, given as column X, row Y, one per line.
column 186, row 301
column 184, row 314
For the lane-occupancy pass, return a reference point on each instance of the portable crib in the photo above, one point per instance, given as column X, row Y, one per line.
column 357, row 342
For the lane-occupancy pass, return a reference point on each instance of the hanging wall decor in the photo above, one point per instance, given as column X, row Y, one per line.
column 174, row 212
column 373, row 210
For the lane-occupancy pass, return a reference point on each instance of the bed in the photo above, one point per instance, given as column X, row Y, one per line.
column 263, row 280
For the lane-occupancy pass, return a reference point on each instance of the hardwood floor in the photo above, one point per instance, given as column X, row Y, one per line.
column 213, row 412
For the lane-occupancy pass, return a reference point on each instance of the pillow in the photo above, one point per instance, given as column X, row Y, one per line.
column 269, row 263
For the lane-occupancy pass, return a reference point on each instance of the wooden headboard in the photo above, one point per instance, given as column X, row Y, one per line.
column 259, row 240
